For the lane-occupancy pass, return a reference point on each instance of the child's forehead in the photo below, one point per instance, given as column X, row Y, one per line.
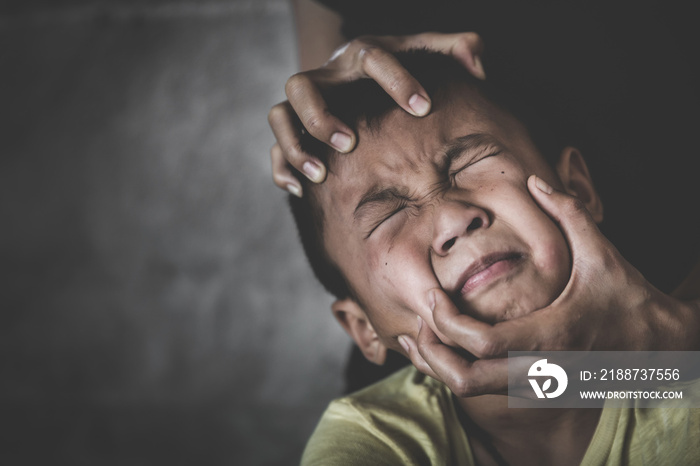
column 404, row 152
column 401, row 144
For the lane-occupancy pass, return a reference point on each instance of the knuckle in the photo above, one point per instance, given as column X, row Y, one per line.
column 398, row 82
column 296, row 83
column 471, row 41
column 487, row 347
column 471, row 38
column 422, row 348
column 276, row 113
column 425, row 353
column 368, row 54
column 441, row 319
column 461, row 386
column 294, row 151
column 280, row 181
column 465, row 40
column 318, row 122
column 314, row 121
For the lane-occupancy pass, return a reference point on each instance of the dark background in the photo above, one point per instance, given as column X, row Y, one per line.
column 156, row 307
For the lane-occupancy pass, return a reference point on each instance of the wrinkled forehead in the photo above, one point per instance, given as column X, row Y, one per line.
column 402, row 151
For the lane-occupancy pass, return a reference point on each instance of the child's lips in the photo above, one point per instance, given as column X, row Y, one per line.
column 487, row 269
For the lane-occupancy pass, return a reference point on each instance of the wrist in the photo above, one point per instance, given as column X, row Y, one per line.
column 688, row 296
column 693, row 324
column 679, row 325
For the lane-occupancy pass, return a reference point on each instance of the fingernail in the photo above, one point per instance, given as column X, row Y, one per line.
column 542, row 185
column 294, row 189
column 403, row 343
column 419, row 105
column 312, row 171
column 480, row 73
column 341, row 142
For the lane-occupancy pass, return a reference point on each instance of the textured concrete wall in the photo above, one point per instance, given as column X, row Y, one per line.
column 156, row 307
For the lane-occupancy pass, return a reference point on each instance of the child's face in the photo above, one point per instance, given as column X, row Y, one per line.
column 442, row 201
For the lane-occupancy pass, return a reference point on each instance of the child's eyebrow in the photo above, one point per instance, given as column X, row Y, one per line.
column 453, row 150
column 469, row 143
column 379, row 195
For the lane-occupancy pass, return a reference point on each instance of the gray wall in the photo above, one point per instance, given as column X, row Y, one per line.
column 155, row 305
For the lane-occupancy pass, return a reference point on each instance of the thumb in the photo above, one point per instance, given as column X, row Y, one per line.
column 569, row 213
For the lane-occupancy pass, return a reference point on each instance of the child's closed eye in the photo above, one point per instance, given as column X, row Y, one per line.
column 384, row 218
column 473, row 161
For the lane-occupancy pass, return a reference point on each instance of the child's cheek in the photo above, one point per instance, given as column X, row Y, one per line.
column 401, row 274
column 494, row 177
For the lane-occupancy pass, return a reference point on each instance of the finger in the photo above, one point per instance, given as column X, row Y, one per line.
column 312, row 111
column 386, row 70
column 281, row 119
column 460, row 329
column 463, row 377
column 409, row 346
column 281, row 174
column 467, row 47
column 487, row 341
column 570, row 214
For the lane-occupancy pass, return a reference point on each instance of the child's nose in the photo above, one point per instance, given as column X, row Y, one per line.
column 455, row 220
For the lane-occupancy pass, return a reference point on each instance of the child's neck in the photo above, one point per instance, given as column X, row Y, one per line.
column 500, row 435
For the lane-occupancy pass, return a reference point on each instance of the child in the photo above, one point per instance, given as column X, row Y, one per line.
column 443, row 201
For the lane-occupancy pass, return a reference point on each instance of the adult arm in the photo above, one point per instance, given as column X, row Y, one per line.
column 318, row 33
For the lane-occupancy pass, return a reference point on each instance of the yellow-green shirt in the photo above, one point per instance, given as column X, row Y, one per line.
column 410, row 419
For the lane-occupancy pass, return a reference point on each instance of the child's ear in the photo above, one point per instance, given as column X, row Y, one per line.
column 577, row 181
column 354, row 320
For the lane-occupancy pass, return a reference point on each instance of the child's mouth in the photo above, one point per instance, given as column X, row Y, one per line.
column 488, row 269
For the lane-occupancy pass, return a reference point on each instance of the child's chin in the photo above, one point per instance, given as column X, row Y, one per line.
column 499, row 307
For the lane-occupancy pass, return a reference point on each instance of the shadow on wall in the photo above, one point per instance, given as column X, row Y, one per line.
column 156, row 307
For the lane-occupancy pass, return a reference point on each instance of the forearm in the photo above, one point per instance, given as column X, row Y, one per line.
column 689, row 289
column 318, row 33
column 673, row 320
column 689, row 293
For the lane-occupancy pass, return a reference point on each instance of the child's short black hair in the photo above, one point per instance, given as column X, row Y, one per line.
column 365, row 101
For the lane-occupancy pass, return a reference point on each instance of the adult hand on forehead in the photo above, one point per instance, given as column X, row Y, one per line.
column 607, row 305
column 364, row 57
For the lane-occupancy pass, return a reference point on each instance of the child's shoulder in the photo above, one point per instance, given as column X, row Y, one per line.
column 407, row 385
column 406, row 418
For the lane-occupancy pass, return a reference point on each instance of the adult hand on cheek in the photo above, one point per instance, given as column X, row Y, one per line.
column 607, row 305
column 364, row 57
